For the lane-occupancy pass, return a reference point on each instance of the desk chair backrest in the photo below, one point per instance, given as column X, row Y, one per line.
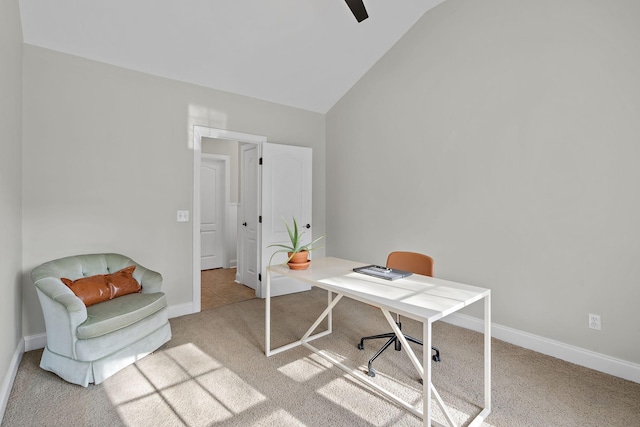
column 411, row 261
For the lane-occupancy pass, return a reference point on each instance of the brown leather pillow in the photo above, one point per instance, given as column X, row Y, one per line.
column 91, row 290
column 123, row 283
column 103, row 287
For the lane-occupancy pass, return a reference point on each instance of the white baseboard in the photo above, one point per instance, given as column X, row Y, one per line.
column 589, row 359
column 182, row 310
column 7, row 383
column 35, row 342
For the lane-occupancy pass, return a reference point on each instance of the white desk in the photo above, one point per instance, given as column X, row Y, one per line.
column 422, row 298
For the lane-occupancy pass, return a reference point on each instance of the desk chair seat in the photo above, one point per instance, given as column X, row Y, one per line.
column 415, row 263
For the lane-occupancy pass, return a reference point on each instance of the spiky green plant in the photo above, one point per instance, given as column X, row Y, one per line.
column 295, row 236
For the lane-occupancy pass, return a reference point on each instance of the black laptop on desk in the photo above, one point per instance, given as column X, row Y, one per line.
column 382, row 272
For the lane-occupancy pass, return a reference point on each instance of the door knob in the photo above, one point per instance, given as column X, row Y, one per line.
column 244, row 223
column 307, row 226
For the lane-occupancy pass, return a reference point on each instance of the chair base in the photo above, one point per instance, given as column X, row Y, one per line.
column 392, row 339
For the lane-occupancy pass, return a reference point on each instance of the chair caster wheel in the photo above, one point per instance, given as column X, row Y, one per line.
column 360, row 346
column 371, row 373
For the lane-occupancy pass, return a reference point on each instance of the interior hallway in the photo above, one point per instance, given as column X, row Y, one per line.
column 218, row 288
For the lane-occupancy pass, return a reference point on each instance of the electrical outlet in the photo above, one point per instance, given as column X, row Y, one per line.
column 183, row 216
column 595, row 322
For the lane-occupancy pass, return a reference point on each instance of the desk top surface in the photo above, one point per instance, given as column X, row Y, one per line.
column 418, row 297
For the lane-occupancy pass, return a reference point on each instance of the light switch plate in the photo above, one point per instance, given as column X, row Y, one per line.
column 183, row 216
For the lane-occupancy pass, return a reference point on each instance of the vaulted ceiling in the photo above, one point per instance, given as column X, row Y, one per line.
column 302, row 53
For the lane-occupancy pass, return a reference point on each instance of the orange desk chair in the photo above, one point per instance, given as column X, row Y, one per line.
column 415, row 263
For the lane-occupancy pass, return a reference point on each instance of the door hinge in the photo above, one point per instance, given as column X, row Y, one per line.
column 260, row 161
column 260, row 219
column 259, row 277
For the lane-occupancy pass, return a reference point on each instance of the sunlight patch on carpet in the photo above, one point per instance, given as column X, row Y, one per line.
column 127, row 387
column 193, row 360
column 368, row 405
column 280, row 418
column 306, row 368
column 182, row 386
column 361, row 402
column 147, row 411
column 231, row 390
column 195, row 405
column 162, row 370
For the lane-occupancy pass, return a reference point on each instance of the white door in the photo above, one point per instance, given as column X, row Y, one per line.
column 211, row 213
column 248, row 219
column 286, row 193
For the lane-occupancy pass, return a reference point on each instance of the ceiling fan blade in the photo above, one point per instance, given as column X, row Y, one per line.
column 358, row 9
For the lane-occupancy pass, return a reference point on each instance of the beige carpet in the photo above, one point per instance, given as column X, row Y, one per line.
column 214, row 373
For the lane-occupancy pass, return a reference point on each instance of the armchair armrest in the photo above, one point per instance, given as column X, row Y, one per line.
column 63, row 311
column 150, row 280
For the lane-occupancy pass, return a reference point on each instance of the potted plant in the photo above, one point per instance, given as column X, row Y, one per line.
column 297, row 253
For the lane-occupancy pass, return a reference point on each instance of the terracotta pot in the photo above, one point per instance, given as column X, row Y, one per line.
column 299, row 261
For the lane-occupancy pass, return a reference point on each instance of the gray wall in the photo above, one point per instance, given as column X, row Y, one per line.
column 504, row 138
column 10, row 182
column 108, row 162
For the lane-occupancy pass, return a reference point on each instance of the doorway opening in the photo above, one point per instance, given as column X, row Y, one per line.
column 219, row 287
column 223, row 236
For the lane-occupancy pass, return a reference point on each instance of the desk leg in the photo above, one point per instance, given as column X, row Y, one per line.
column 487, row 353
column 426, row 365
column 427, row 387
column 426, row 380
column 330, row 317
column 267, row 315
column 268, row 351
column 325, row 313
column 487, row 365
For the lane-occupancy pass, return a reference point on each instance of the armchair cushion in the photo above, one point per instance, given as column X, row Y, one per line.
column 119, row 313
column 104, row 287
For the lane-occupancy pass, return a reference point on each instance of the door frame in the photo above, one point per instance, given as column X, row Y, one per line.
column 225, row 233
column 200, row 132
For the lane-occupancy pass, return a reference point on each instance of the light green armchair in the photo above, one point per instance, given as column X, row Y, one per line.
column 89, row 344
